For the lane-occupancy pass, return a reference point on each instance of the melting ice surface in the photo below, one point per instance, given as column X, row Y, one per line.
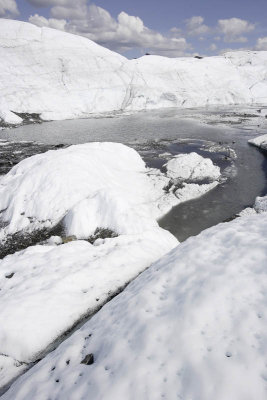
column 159, row 135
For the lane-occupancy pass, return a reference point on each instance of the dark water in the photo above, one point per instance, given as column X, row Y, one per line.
column 158, row 135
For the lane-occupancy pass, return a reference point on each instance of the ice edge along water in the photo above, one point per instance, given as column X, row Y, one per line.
column 59, row 75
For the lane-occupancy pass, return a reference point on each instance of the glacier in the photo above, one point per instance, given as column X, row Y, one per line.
column 190, row 326
column 61, row 76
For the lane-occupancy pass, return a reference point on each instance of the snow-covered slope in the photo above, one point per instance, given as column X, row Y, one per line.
column 60, row 75
column 47, row 289
column 57, row 74
column 193, row 326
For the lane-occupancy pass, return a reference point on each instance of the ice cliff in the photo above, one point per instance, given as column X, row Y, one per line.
column 59, row 75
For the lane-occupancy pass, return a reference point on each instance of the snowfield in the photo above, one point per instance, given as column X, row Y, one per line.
column 193, row 326
column 46, row 289
column 59, row 76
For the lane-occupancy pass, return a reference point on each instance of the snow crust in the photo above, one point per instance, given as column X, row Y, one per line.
column 60, row 76
column 191, row 327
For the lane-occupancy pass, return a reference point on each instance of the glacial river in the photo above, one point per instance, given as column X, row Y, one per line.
column 218, row 133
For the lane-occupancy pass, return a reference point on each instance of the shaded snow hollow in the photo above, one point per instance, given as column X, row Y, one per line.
column 60, row 75
column 83, row 187
column 193, row 326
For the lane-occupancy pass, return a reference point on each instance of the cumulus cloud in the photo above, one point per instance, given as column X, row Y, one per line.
column 8, row 8
column 50, row 23
column 195, row 26
column 261, row 43
column 121, row 34
column 49, row 3
column 213, row 47
column 234, row 29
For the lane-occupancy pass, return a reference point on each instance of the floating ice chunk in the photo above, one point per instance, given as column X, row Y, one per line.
column 192, row 168
column 260, row 141
column 192, row 190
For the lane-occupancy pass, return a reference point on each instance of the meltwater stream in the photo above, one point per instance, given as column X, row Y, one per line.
column 158, row 135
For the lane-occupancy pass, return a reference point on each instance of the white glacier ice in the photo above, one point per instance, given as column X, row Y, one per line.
column 59, row 75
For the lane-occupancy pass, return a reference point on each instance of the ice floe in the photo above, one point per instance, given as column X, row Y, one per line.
column 259, row 141
column 192, row 167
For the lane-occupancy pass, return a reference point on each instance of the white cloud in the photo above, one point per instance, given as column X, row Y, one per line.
column 195, row 26
column 49, row 3
column 121, row 34
column 8, row 8
column 50, row 23
column 233, row 29
column 261, row 43
column 213, row 47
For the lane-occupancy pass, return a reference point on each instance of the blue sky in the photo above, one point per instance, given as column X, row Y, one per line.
column 169, row 27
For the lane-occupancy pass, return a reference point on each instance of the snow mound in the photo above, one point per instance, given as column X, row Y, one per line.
column 60, row 76
column 95, row 185
column 191, row 326
column 192, row 168
column 260, row 141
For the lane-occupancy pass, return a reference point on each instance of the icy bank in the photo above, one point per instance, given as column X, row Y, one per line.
column 192, row 326
column 59, row 76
